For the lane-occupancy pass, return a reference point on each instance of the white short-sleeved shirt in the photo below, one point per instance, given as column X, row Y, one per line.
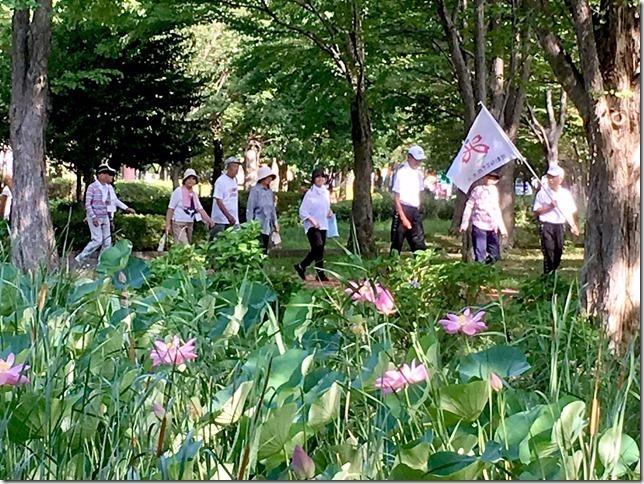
column 226, row 191
column 408, row 184
column 7, row 207
column 176, row 204
column 565, row 204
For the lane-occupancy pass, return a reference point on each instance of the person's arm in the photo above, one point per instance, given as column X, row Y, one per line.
column 168, row 219
column 120, row 204
column 399, row 210
column 3, row 203
column 467, row 214
column 224, row 210
column 540, row 207
column 305, row 213
column 250, row 205
column 88, row 206
column 498, row 214
column 206, row 218
column 274, row 208
column 573, row 221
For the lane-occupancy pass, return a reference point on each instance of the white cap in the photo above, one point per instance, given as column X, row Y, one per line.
column 189, row 172
column 263, row 172
column 416, row 152
column 231, row 159
column 555, row 170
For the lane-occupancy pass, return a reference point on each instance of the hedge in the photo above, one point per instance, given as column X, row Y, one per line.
column 383, row 207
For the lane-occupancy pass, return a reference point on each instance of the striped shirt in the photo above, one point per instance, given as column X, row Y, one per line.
column 95, row 203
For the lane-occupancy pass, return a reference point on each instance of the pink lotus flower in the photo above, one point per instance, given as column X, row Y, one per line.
column 395, row 380
column 302, row 464
column 495, row 382
column 11, row 374
column 173, row 353
column 464, row 323
column 380, row 297
column 158, row 410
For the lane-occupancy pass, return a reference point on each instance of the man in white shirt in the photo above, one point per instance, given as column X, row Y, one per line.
column 407, row 221
column 554, row 206
column 6, row 197
column 225, row 204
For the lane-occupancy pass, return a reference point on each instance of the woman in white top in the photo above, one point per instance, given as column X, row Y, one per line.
column 5, row 198
column 184, row 209
column 315, row 211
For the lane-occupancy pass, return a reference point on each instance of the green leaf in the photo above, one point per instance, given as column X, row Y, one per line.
column 453, row 466
column 505, row 361
column 115, row 258
column 133, row 275
column 325, row 408
column 617, row 451
column 415, row 454
column 275, row 431
column 569, row 424
column 231, row 409
column 465, row 400
column 403, row 472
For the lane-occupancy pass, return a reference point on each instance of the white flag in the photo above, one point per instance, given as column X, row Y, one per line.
column 486, row 148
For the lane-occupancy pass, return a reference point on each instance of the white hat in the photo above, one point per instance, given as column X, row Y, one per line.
column 189, row 172
column 263, row 172
column 416, row 152
column 555, row 170
column 231, row 159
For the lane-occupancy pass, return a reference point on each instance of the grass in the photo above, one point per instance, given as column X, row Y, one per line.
column 517, row 262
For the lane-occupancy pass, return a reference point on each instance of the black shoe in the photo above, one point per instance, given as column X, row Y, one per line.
column 321, row 276
column 300, row 271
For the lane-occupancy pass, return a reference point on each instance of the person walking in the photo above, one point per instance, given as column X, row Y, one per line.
column 554, row 205
column 484, row 211
column 114, row 203
column 315, row 212
column 407, row 221
column 261, row 206
column 97, row 201
column 6, row 197
column 184, row 209
column 225, row 206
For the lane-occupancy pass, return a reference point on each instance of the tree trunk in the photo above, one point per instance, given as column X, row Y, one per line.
column 79, row 186
column 217, row 163
column 174, row 175
column 361, row 208
column 32, row 235
column 282, row 169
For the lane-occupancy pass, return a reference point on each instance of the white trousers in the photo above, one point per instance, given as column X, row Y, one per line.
column 101, row 238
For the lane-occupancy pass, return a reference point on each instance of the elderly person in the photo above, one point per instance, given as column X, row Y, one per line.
column 6, row 198
column 261, row 205
column 99, row 198
column 315, row 212
column 184, row 209
column 484, row 211
column 554, row 206
column 225, row 206
column 407, row 223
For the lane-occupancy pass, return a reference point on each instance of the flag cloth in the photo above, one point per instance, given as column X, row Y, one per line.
column 486, row 148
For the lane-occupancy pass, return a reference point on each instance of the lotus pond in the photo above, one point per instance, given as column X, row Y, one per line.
column 196, row 366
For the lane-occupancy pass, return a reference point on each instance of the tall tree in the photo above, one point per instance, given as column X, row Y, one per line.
column 508, row 66
column 549, row 133
column 337, row 30
column 32, row 234
column 604, row 85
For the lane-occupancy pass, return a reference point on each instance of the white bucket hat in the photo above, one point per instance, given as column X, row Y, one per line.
column 189, row 172
column 231, row 159
column 264, row 172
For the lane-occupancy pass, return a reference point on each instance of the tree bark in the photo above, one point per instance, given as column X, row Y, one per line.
column 79, row 186
column 361, row 208
column 217, row 163
column 607, row 94
column 32, row 235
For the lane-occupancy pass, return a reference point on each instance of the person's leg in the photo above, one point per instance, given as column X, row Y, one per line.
column 493, row 248
column 96, row 241
column 106, row 228
column 189, row 229
column 479, row 243
column 319, row 257
column 397, row 234
column 179, row 233
column 547, row 247
column 263, row 242
column 558, row 238
column 217, row 229
column 416, row 236
column 312, row 234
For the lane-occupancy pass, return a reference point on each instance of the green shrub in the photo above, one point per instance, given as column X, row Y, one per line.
column 145, row 198
column 383, row 207
column 61, row 188
column 144, row 231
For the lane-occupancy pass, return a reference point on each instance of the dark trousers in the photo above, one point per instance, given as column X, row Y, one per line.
column 552, row 241
column 486, row 245
column 263, row 242
column 415, row 236
column 317, row 240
